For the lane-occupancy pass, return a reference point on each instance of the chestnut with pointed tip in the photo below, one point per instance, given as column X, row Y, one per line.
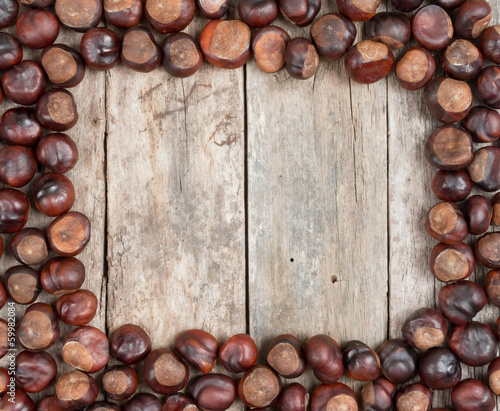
column 120, row 382
column 452, row 262
column 377, row 395
column 214, row 392
column 22, row 284
column 238, row 353
column 473, row 343
column 165, row 372
column 63, row 65
column 439, row 369
column 57, row 152
column 488, row 86
column 368, row 61
column 325, row 358
column 286, row 356
column 86, row 349
column 472, row 395
column 333, row 34
column 446, row 223
column 449, row 147
column 181, row 55
column 179, row 402
column 484, row 169
column 24, row 83
column 490, row 43
column 29, row 246
column 77, row 308
column 37, row 28
column 461, row 301
column 35, row 371
column 269, row 47
column 69, row 234
column 140, row 51
column 62, row 275
column 257, row 13
column 301, row 58
column 472, row 18
column 123, row 13
column 448, row 100
column 199, row 348
column 79, row 15
column 451, row 185
column 143, row 402
column 414, row 396
column 259, row 387
column 17, row 166
column 486, row 250
column 398, row 361
column 169, row 16
column 336, row 396
column 130, row 344
column 75, row 390
column 11, row 51
column 462, row 60
column 39, row 328
column 415, row 69
column 392, row 29
column 9, row 10
column 19, row 126
column 100, row 48
column 57, row 110
column 294, row 398
column 361, row 363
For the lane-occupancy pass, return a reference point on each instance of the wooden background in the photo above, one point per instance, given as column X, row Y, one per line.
column 236, row 201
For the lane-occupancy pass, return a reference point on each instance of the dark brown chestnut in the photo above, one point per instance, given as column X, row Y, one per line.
column 461, row 301
column 37, row 4
column 269, row 48
column 64, row 65
column 406, row 6
column 5, row 380
column 392, row 29
column 17, row 166
column 448, row 100
column 75, row 390
column 361, row 363
column 39, row 328
column 100, row 48
column 49, row 403
column 451, row 185
column 178, row 402
column 300, row 12
column 22, row 401
column 472, row 395
column 414, row 396
column 130, row 344
column 181, row 55
column 19, row 126
column 473, row 343
column 140, row 51
column 439, row 369
column 14, row 210
column 449, row 147
column 492, row 287
column 199, row 348
column 123, row 13
column 120, row 382
column 358, row 10
column 57, row 152
column 77, row 308
column 3, row 295
column 103, row 406
column 259, row 387
column 368, row 61
column 478, row 213
column 377, row 395
column 11, row 51
column 37, row 28
column 79, row 15
column 325, row 358
column 425, row 328
column 452, row 262
column 462, row 60
column 336, row 396
column 257, row 13
column 215, row 392
column 143, row 402
column 22, row 284
column 294, row 398
column 169, row 16
column 24, row 83
column 333, row 34
column 86, row 349
column 57, row 110
column 286, row 356
column 35, row 371
column 488, row 86
column 484, row 170
column 165, row 372
column 62, row 275
column 398, row 360
column 494, row 376
column 4, row 340
column 29, row 246
column 472, row 18
column 490, row 43
column 446, row 223
column 432, row 27
column 54, row 194
column 415, row 69
column 301, row 58
column 216, row 9
column 69, row 234
column 483, row 124
column 9, row 10
column 238, row 353
column 449, row 4
column 487, row 250
column 495, row 202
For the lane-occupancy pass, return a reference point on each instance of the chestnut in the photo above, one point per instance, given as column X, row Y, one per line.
column 54, row 194
column 286, row 356
column 130, row 344
column 199, row 348
column 294, row 398
column 490, row 43
column 462, row 60
column 22, row 284
column 4, row 340
column 269, row 48
column 238, row 353
column 492, row 287
column 486, row 250
column 392, row 29
column 472, row 17
column 169, row 16
column 77, row 308
column 432, row 27
column 494, row 376
column 75, row 390
column 415, row 69
column 452, row 262
column 49, row 403
column 120, row 382
column 140, row 51
column 377, row 395
column 483, row 124
column 123, row 13
column 37, row 28
column 165, row 372
column 368, row 61
column 461, row 301
column 103, row 406
column 79, row 15
column 100, row 48
column 300, row 12
column 17, row 166
column 361, row 363
column 333, row 34
column 8, row 12
column 215, row 37
column 451, row 185
column 414, row 396
column 3, row 294
column 29, row 246
column 301, row 58
column 5, row 380
column 215, row 392
column 179, row 402
column 14, row 210
column 495, row 202
column 406, row 6
column 398, row 360
column 446, row 223
column 35, row 371
column 37, row 4
column 24, row 83
column 488, row 85
column 64, row 65
column 325, row 358
column 449, row 4
column 216, row 9
column 425, row 328
column 57, row 110
column 358, row 11
column 484, row 170
column 478, row 213
column 57, row 152
column 62, row 275
column 439, row 369
column 449, row 147
column 472, row 395
column 473, row 343
column 143, row 402
column 336, row 396
column 257, row 13
column 69, row 234
column 11, row 51
column 22, row 402
column 39, row 328
column 19, row 126
column 181, row 55
column 448, row 100
column 86, row 349
column 259, row 387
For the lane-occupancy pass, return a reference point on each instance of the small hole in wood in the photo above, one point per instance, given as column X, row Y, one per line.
column 334, row 279
column 292, row 260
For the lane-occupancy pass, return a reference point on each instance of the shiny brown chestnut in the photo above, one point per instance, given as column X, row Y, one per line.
column 24, row 83
column 69, row 234
column 286, row 356
column 5, row 380
column 472, row 17
column 49, row 404
column 140, row 51
column 478, row 213
column 11, row 51
column 398, row 360
column 414, row 396
column 62, row 275
column 259, row 387
column 17, row 166
column 199, row 348
column 377, row 395
column 37, row 28
column 39, row 328
column 130, row 344
column 37, row 4
column 462, row 60
column 449, row 4
column 215, row 9
column 492, row 287
column 425, row 328
column 406, row 6
column 333, row 34
column 336, row 396
column 143, row 402
column 4, row 340
column 325, row 358
column 3, row 293
column 300, row 12
column 486, row 250
column 451, row 185
column 169, row 16
column 57, row 110
column 178, row 402
column 79, row 15
column 269, row 47
column 294, row 398
column 214, row 39
column 238, row 353
column 448, row 100
column 57, row 152
column 452, row 262
column 368, row 61
column 123, row 13
column 415, row 69
column 29, row 246
column 75, row 390
column 392, row 29
column 495, row 202
column 301, row 58
column 22, row 402
column 461, row 301
column 257, row 13
column 446, row 223
column 488, row 86
column 181, row 55
column 64, row 65
column 77, row 308
column 35, row 371
column 483, row 124
column 120, row 382
column 86, row 349
column 490, row 43
column 19, row 126
column 494, row 376
column 14, row 210
column 432, row 27
column 165, row 372
column 103, row 406
column 358, row 11
column 361, row 363
column 54, row 194
column 472, row 395
column 100, row 48
column 473, row 343
column 449, row 147
column 9, row 10
column 214, row 392
column 439, row 369
column 484, row 170
column 22, row 284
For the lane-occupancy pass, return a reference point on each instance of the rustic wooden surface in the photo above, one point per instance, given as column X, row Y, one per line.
column 236, row 201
